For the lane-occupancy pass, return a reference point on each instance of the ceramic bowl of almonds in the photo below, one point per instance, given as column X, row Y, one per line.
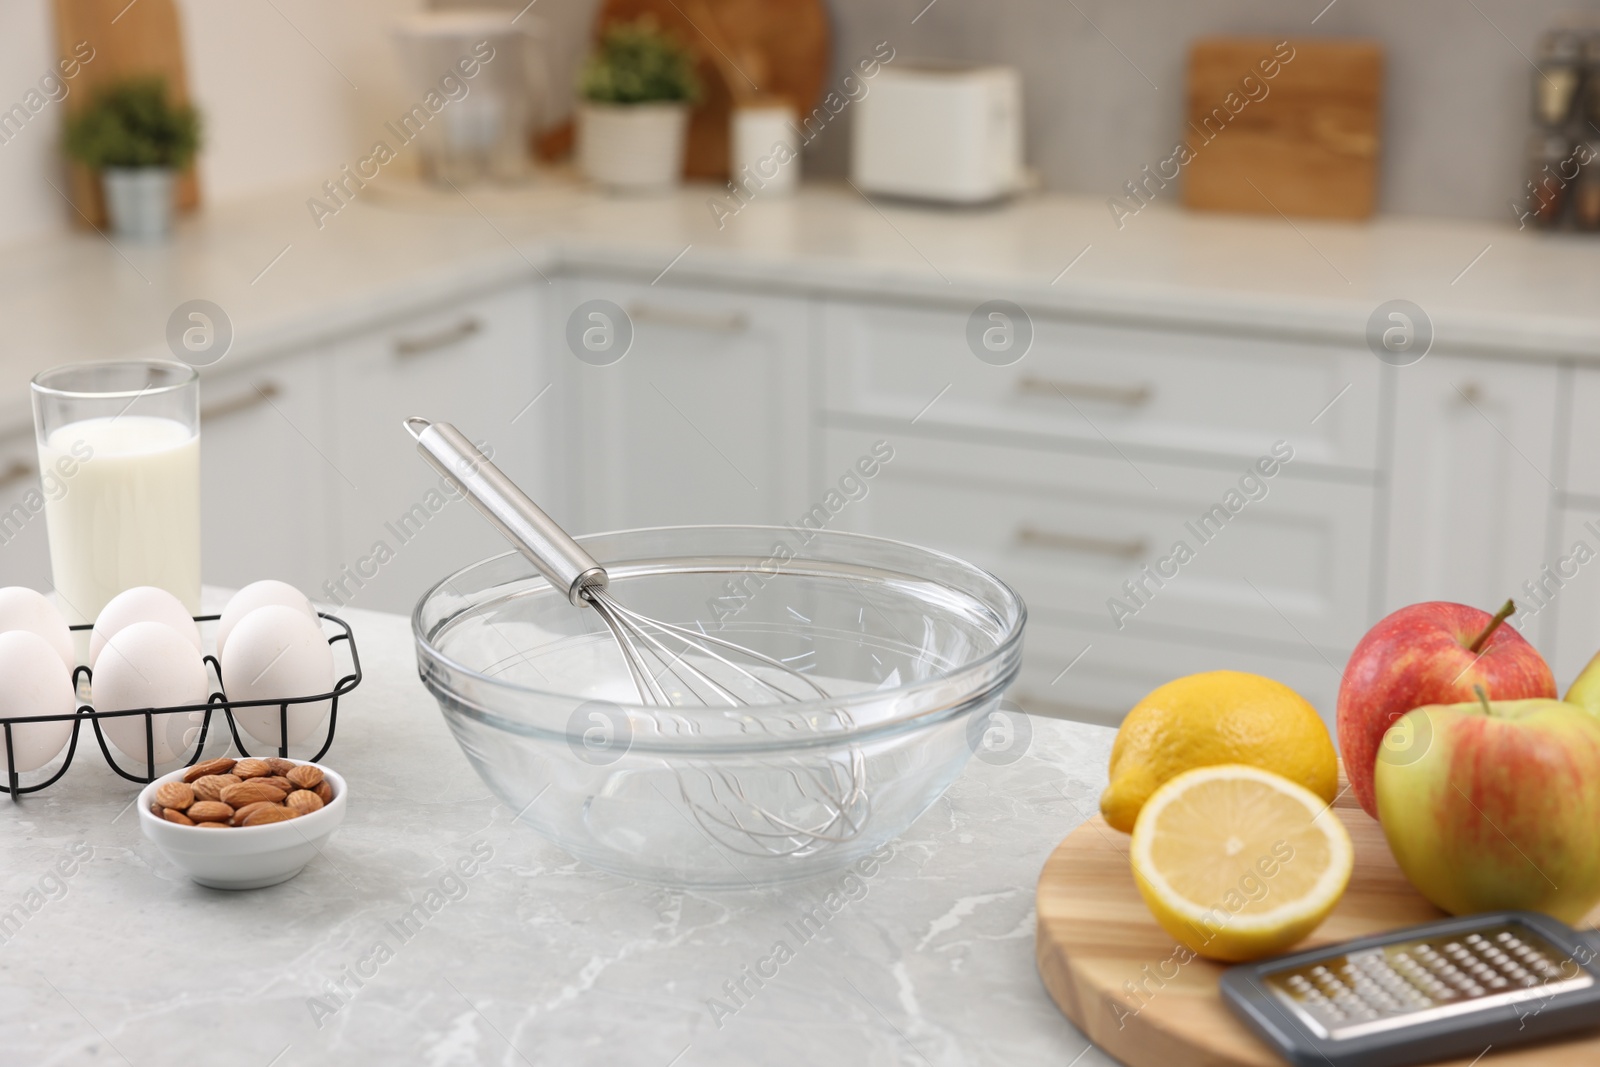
column 242, row 823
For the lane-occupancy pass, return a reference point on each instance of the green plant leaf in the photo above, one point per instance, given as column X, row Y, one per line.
column 133, row 123
column 639, row 63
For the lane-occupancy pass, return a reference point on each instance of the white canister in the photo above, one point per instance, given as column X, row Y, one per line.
column 764, row 149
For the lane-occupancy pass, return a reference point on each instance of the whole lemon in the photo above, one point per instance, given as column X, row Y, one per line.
column 1213, row 718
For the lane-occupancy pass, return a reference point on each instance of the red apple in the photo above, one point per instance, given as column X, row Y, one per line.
column 1430, row 653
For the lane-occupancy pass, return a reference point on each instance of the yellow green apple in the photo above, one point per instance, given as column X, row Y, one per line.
column 1495, row 804
column 1585, row 690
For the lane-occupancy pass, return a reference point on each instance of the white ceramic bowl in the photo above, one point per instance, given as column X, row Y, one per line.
column 243, row 857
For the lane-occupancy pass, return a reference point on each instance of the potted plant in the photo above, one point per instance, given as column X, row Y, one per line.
column 634, row 113
column 138, row 139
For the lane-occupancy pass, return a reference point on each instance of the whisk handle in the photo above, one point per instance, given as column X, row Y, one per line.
column 519, row 520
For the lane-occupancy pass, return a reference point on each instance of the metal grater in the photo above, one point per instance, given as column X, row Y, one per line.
column 1451, row 988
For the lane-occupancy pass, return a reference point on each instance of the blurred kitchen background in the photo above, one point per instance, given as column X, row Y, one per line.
column 1166, row 339
column 1455, row 117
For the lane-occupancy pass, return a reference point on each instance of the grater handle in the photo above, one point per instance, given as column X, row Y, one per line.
column 522, row 522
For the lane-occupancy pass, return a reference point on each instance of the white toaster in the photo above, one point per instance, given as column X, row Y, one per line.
column 942, row 131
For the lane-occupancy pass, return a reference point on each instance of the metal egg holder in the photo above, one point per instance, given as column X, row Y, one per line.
column 217, row 701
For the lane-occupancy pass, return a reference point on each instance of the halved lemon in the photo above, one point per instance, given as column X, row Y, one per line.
column 1237, row 862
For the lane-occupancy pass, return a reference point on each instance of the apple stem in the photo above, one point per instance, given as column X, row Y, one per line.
column 1494, row 624
column 1483, row 698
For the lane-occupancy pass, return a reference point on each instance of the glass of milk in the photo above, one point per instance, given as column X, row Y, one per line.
column 119, row 463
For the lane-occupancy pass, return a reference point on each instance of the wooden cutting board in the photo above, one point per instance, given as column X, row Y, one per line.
column 128, row 40
column 1095, row 934
column 749, row 50
column 1309, row 146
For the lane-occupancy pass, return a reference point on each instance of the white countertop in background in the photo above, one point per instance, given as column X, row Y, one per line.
column 1488, row 288
column 535, row 958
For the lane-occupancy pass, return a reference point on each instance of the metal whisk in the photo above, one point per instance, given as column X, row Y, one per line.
column 815, row 803
column 642, row 638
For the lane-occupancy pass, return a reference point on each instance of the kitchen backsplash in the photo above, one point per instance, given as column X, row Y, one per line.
column 1104, row 79
column 291, row 89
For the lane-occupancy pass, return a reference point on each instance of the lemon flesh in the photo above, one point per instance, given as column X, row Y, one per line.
column 1213, row 718
column 1239, row 863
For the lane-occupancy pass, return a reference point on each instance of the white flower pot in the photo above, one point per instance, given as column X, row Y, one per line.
column 139, row 201
column 632, row 147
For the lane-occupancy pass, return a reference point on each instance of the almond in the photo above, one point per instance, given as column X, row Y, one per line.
column 211, row 786
column 175, row 795
column 239, row 815
column 246, row 792
column 212, row 825
column 249, row 792
column 265, row 813
column 302, row 801
column 210, row 766
column 252, row 768
column 209, row 811
column 305, row 776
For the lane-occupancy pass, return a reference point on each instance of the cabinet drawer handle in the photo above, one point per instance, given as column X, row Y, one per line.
column 409, row 347
column 1131, row 396
column 262, row 393
column 16, row 471
column 1032, row 537
column 704, row 321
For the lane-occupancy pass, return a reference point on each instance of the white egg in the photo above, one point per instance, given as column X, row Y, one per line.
column 259, row 595
column 150, row 665
column 34, row 684
column 142, row 603
column 27, row 609
column 276, row 653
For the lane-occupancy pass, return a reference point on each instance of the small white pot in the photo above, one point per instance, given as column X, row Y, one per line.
column 139, row 201
column 632, row 147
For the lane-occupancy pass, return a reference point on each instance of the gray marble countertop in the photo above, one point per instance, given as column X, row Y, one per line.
column 109, row 955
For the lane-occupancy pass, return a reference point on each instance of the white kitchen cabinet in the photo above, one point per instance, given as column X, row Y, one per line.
column 1072, row 470
column 1098, row 387
column 1067, row 472
column 1566, row 597
column 475, row 364
column 1286, row 569
column 706, row 419
column 1094, row 675
column 1278, row 586
column 24, row 543
column 1582, row 466
column 1471, row 481
column 264, row 473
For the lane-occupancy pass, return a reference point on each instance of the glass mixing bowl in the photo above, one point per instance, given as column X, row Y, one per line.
column 914, row 647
